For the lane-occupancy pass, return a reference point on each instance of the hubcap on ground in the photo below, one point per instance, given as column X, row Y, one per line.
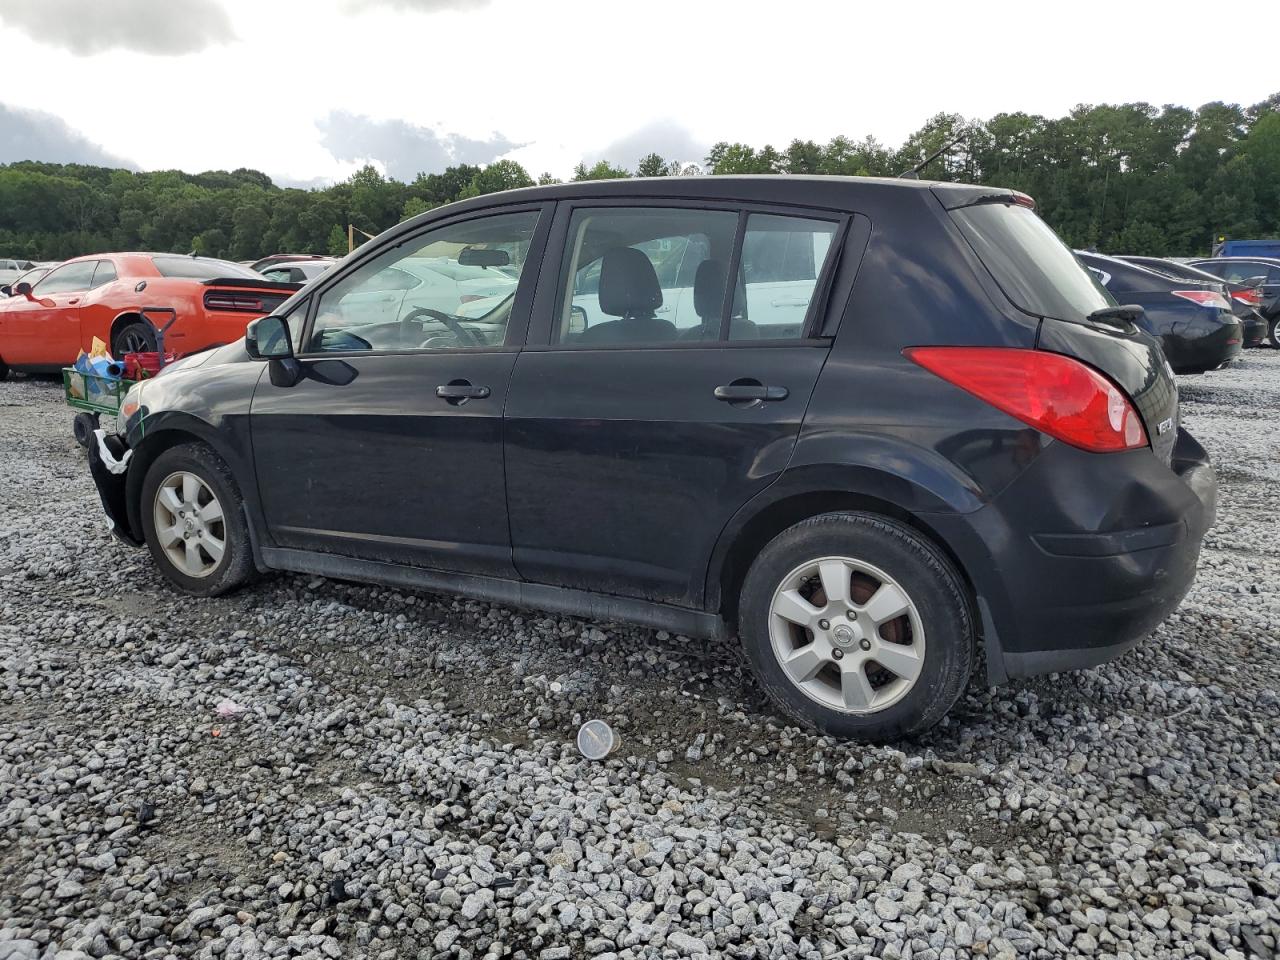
column 189, row 524
column 847, row 634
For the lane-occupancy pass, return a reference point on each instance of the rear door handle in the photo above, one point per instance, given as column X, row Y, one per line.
column 741, row 392
column 461, row 391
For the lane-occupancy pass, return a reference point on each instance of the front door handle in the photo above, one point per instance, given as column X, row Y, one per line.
column 460, row 391
column 740, row 392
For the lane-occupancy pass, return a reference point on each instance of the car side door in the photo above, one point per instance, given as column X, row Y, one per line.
column 44, row 331
column 390, row 446
column 630, row 444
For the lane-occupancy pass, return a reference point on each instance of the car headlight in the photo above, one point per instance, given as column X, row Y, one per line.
column 129, row 406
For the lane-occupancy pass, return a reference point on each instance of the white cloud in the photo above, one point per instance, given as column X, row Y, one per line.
column 85, row 27
column 581, row 79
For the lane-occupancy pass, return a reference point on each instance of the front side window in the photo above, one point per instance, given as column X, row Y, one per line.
column 450, row 288
column 782, row 259
column 70, row 278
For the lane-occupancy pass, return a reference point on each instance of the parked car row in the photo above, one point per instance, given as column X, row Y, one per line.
column 863, row 425
column 44, row 325
column 1203, row 311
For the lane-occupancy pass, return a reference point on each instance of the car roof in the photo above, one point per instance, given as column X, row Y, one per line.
column 1269, row 261
column 1151, row 263
column 821, row 191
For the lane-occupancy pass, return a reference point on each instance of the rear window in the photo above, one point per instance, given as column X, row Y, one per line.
column 199, row 268
column 1035, row 269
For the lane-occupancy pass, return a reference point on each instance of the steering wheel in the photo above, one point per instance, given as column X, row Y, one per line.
column 463, row 335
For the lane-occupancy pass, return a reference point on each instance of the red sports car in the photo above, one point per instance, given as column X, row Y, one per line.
column 46, row 327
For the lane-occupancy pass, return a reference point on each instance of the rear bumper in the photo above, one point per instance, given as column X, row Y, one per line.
column 1198, row 349
column 1084, row 555
column 1255, row 331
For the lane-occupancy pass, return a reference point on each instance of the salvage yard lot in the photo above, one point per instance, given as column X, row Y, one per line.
column 404, row 780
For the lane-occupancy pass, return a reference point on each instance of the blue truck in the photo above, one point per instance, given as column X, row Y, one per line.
column 1246, row 248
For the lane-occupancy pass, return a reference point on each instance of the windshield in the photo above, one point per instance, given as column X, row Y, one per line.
column 1035, row 269
column 200, row 268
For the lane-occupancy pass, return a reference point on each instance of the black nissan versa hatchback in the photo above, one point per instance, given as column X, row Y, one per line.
column 862, row 425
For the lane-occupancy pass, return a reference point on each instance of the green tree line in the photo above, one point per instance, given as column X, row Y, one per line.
column 1121, row 178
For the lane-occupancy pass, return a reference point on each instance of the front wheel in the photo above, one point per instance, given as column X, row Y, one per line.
column 857, row 626
column 4, row 371
column 193, row 521
column 82, row 427
column 1275, row 334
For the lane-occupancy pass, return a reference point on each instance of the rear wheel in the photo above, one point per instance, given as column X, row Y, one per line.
column 193, row 522
column 134, row 338
column 1275, row 332
column 857, row 626
column 4, row 371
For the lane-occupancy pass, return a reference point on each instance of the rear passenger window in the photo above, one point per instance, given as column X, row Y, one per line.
column 653, row 275
column 782, row 259
column 647, row 275
column 104, row 273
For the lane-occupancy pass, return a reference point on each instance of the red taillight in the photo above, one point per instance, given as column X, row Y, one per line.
column 1206, row 298
column 240, row 302
column 1250, row 298
column 1023, row 199
column 1057, row 395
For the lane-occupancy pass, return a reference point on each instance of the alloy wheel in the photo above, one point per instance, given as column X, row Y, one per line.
column 189, row 524
column 847, row 635
column 135, row 342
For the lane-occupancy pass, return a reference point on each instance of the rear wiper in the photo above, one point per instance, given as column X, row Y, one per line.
column 1119, row 317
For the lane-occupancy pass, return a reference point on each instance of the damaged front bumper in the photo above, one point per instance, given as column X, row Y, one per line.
column 109, row 466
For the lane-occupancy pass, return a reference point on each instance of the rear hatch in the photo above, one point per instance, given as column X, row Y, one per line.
column 242, row 295
column 1040, row 276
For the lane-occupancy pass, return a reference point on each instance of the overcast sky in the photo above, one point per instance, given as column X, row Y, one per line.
column 308, row 90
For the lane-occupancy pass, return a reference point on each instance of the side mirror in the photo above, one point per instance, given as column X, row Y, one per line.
column 267, row 338
column 22, row 290
column 577, row 320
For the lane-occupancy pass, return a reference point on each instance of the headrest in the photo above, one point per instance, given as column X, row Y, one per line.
column 708, row 290
column 628, row 284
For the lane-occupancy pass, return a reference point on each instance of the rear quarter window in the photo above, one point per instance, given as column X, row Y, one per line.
column 1036, row 270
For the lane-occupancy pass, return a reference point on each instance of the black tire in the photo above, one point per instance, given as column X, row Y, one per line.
column 4, row 371
column 235, row 567
column 927, row 577
column 137, row 337
column 82, row 428
column 1275, row 334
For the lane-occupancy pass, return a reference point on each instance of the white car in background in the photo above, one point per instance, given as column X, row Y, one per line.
column 432, row 283
column 297, row 271
column 11, row 270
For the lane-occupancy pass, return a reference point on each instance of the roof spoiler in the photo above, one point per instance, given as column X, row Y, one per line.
column 955, row 196
column 247, row 282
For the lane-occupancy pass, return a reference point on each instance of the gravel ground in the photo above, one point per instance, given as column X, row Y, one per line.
column 404, row 780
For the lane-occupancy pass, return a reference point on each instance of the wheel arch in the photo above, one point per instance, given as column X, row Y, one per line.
column 739, row 546
column 122, row 320
column 174, row 430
